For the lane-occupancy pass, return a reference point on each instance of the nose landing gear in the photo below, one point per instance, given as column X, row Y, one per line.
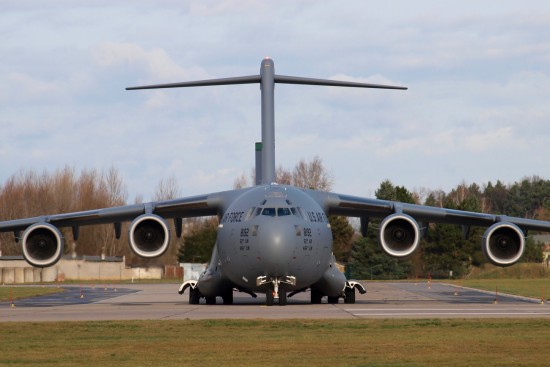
column 276, row 288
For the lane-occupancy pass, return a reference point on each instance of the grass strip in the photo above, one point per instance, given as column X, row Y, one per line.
column 534, row 288
column 242, row 343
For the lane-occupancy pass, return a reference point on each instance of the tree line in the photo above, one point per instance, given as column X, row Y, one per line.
column 443, row 249
column 446, row 249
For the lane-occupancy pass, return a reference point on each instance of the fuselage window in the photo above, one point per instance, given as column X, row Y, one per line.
column 270, row 212
column 281, row 212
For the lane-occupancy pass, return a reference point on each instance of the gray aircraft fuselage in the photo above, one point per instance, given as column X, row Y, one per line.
column 272, row 231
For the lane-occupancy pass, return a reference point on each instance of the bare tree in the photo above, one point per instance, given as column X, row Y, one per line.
column 29, row 194
column 167, row 189
column 283, row 176
column 240, row 182
column 312, row 175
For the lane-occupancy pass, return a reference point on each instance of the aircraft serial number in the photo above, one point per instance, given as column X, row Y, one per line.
column 317, row 217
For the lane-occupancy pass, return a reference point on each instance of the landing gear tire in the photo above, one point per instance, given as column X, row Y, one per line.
column 349, row 296
column 269, row 298
column 194, row 296
column 316, row 296
column 282, row 296
column 228, row 298
column 332, row 300
column 210, row 300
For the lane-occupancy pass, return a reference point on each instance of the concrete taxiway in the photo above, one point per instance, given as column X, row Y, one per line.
column 161, row 301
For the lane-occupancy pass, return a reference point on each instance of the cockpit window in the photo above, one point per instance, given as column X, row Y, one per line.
column 301, row 212
column 296, row 213
column 270, row 212
column 250, row 214
column 281, row 212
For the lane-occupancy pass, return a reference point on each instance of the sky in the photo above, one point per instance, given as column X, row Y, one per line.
column 477, row 108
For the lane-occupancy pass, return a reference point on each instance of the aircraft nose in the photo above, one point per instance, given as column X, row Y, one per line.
column 277, row 244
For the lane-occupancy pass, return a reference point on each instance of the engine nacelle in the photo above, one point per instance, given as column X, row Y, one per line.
column 42, row 245
column 149, row 236
column 503, row 244
column 399, row 235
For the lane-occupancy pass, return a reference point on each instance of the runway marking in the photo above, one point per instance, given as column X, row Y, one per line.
column 455, row 314
column 510, row 311
column 422, row 309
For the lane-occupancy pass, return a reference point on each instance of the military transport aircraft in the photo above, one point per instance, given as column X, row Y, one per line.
column 273, row 239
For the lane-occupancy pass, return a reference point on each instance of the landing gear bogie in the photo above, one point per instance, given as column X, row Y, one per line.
column 194, row 296
column 349, row 296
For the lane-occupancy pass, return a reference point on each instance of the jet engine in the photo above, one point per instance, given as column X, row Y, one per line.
column 399, row 235
column 149, row 236
column 503, row 244
column 42, row 245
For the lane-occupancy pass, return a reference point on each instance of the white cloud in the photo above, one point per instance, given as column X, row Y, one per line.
column 476, row 108
column 157, row 62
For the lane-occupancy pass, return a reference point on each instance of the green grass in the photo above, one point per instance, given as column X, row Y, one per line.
column 8, row 293
column 524, row 279
column 277, row 343
column 534, row 288
column 518, row 271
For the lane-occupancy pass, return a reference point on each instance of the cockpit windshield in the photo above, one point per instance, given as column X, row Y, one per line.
column 274, row 212
column 281, row 212
column 270, row 212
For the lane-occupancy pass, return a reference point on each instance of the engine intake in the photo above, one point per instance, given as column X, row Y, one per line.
column 149, row 236
column 42, row 245
column 503, row 244
column 399, row 235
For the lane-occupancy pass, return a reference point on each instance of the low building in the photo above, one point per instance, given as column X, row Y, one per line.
column 15, row 270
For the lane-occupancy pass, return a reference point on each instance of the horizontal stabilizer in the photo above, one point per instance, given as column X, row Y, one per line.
column 332, row 83
column 283, row 79
column 202, row 83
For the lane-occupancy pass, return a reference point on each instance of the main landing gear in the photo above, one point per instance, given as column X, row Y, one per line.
column 348, row 294
column 195, row 295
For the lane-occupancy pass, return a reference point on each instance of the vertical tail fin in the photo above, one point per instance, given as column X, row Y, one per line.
column 267, row 80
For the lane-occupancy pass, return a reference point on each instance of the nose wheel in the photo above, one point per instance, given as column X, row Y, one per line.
column 276, row 289
column 272, row 295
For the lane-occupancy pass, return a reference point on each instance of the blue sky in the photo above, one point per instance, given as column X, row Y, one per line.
column 476, row 110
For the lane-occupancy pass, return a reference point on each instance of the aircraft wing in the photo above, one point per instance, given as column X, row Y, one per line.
column 42, row 242
column 353, row 206
column 503, row 242
column 194, row 206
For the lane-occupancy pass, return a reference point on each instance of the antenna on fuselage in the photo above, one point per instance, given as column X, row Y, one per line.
column 267, row 80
